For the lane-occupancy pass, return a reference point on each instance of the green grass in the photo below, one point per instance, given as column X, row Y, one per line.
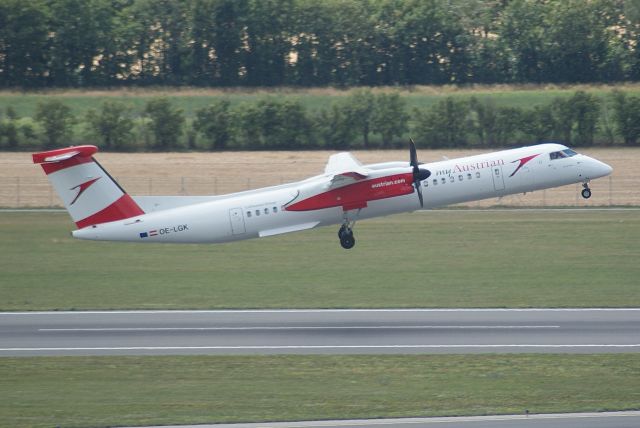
column 191, row 100
column 108, row 391
column 436, row 259
column 442, row 258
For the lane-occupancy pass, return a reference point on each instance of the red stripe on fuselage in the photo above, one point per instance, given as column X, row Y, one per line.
column 357, row 195
column 124, row 207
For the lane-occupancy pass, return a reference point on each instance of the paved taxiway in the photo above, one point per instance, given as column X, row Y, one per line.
column 562, row 420
column 414, row 331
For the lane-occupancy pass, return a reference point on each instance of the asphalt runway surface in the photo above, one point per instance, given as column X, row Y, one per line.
column 567, row 420
column 381, row 331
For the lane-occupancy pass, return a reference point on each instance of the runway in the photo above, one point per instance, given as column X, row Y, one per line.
column 375, row 331
column 562, row 420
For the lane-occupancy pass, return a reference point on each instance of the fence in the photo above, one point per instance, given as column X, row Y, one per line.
column 32, row 192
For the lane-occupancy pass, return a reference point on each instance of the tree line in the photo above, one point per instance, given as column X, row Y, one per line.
column 105, row 43
column 361, row 120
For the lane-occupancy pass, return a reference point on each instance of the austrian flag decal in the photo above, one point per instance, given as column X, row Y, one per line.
column 165, row 231
column 149, row 233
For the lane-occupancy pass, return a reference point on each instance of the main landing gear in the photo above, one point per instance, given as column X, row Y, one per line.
column 586, row 192
column 346, row 230
column 346, row 237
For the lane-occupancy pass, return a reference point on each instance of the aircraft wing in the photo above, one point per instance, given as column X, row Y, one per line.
column 344, row 169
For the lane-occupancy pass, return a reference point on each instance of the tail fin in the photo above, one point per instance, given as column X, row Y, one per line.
column 88, row 192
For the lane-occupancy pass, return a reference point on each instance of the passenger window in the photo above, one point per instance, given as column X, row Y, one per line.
column 460, row 177
column 452, row 179
column 426, row 183
column 469, row 176
column 266, row 210
column 477, row 175
column 257, row 213
column 444, row 180
column 435, row 181
column 275, row 210
column 248, row 213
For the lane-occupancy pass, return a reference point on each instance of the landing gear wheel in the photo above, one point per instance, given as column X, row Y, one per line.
column 346, row 237
column 346, row 230
column 586, row 192
column 347, row 241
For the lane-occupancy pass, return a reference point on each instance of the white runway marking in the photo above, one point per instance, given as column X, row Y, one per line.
column 380, row 327
column 302, row 347
column 322, row 331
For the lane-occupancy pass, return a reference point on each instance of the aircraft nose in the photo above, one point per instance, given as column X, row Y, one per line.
column 596, row 169
column 603, row 169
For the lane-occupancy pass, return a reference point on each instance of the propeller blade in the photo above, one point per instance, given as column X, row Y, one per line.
column 418, row 173
column 413, row 155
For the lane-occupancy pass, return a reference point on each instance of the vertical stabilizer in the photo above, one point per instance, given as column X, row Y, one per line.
column 88, row 192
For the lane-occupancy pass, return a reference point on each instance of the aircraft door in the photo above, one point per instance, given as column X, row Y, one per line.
column 498, row 179
column 237, row 221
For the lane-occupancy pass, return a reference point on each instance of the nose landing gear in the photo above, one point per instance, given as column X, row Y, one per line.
column 586, row 192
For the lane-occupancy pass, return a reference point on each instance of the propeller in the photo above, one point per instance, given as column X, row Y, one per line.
column 419, row 174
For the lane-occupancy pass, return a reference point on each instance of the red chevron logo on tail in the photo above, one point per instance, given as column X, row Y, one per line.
column 82, row 187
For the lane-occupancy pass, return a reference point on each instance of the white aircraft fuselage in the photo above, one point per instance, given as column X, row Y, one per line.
column 346, row 192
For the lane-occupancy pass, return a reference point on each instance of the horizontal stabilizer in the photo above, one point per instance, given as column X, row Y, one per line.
column 60, row 155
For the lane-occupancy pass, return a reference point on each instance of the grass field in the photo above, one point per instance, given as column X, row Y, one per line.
column 191, row 99
column 114, row 391
column 436, row 259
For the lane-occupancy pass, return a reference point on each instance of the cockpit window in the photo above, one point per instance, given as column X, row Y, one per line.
column 567, row 153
